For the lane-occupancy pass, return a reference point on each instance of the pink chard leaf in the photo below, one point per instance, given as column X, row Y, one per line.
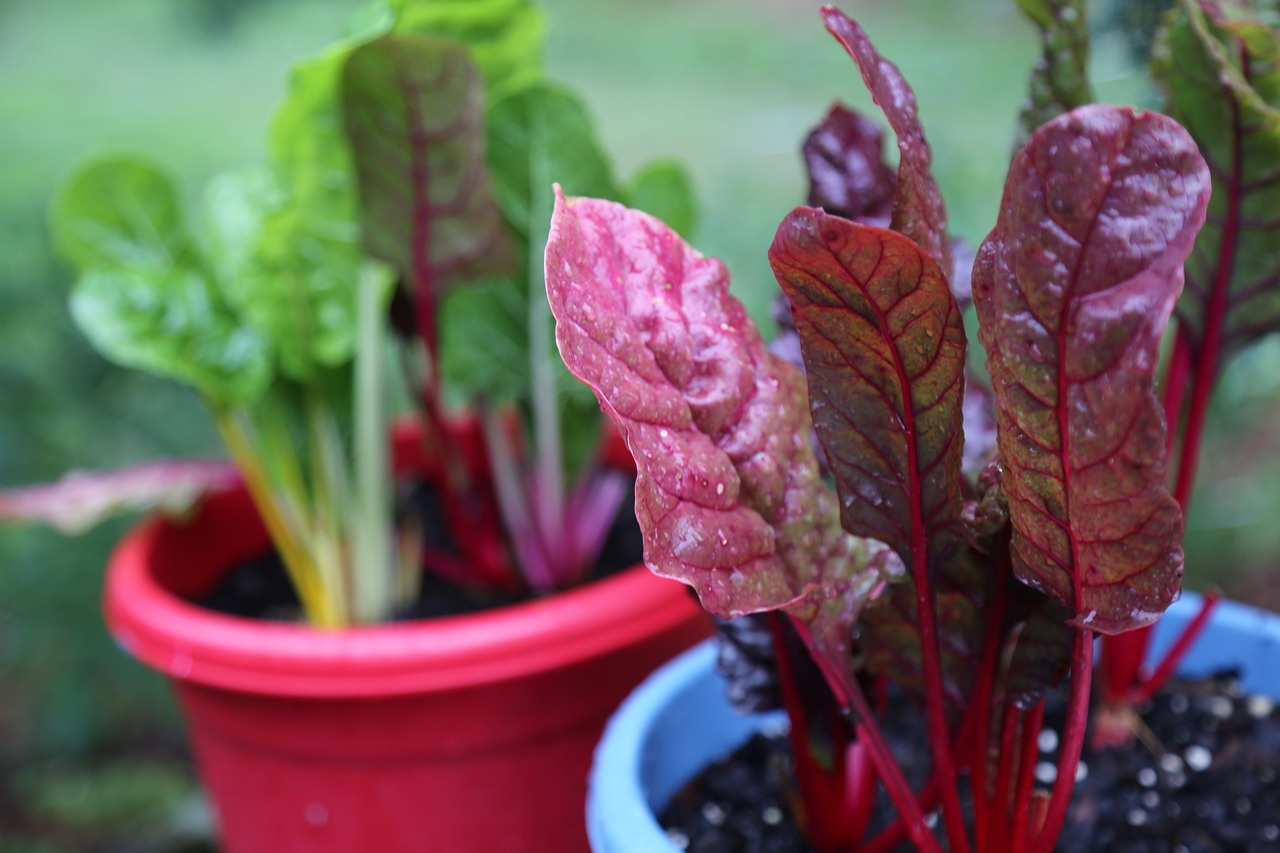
column 728, row 494
column 918, row 209
column 884, row 351
column 1074, row 287
column 84, row 499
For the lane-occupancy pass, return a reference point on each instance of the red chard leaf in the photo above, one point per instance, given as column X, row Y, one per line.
column 918, row 210
column 884, row 350
column 844, row 157
column 728, row 494
column 1222, row 82
column 1074, row 287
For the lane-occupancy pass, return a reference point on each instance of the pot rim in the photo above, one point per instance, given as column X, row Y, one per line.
column 196, row 645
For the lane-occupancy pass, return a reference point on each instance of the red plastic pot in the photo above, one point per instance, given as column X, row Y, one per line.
column 468, row 734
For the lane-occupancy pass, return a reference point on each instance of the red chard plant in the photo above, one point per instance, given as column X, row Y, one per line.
column 970, row 587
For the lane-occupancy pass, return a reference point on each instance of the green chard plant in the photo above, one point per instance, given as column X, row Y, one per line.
column 408, row 188
column 958, row 540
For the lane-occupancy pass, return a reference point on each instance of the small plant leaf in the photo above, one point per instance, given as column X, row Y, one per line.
column 1222, row 82
column 413, row 112
column 664, row 190
column 844, row 158
column 1073, row 288
column 728, row 494
column 1059, row 80
column 918, row 209
column 83, row 499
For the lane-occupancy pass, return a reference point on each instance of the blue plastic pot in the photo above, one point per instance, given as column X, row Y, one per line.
column 678, row 721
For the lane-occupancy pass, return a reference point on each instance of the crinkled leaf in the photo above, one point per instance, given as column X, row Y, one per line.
column 413, row 112
column 728, row 494
column 144, row 297
column 1074, row 287
column 84, row 499
column 120, row 212
column 1042, row 645
column 504, row 37
column 844, row 158
column 1059, row 80
column 286, row 274
column 918, row 210
column 664, row 190
column 884, row 350
column 1222, row 82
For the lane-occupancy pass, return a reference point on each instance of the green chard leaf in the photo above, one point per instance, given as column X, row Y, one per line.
column 1221, row 77
column 1073, row 289
column 1059, row 80
column 504, row 37
column 144, row 297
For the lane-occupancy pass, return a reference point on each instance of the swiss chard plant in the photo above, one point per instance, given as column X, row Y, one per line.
column 970, row 584
column 407, row 189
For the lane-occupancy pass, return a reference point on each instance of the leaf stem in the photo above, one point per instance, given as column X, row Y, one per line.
column 1072, row 741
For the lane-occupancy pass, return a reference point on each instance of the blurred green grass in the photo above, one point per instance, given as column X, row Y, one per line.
column 729, row 87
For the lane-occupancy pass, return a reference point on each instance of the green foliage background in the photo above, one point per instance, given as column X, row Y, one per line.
column 728, row 87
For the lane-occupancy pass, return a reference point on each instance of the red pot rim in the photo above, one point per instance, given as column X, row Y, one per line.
column 192, row 644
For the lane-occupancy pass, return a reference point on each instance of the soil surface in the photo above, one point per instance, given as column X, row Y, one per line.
column 1205, row 780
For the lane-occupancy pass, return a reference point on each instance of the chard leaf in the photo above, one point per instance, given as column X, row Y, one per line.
column 1059, row 80
column 918, row 210
column 1073, row 288
column 664, row 191
column 120, row 212
column 504, row 37
column 1222, row 82
column 83, row 499
column 413, row 112
column 844, row 158
column 284, row 272
column 727, row 494
column 1042, row 642
column 172, row 323
column 884, row 351
column 144, row 298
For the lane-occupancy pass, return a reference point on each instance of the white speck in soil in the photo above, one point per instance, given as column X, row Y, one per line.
column 1271, row 832
column 1181, row 848
column 1082, row 771
column 1046, row 772
column 1221, row 707
column 1150, row 799
column 1047, row 741
column 1178, row 703
column 1147, row 777
column 1243, row 806
column 678, row 838
column 713, row 814
column 1177, row 779
column 1259, row 707
column 1197, row 757
column 1136, row 817
column 771, row 815
column 1171, row 762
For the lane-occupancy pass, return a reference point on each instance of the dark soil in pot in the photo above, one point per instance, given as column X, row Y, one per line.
column 1205, row 780
column 261, row 589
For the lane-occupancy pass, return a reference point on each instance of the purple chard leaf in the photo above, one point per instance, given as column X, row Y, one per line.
column 1074, row 287
column 918, row 210
column 728, row 494
column 844, row 158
